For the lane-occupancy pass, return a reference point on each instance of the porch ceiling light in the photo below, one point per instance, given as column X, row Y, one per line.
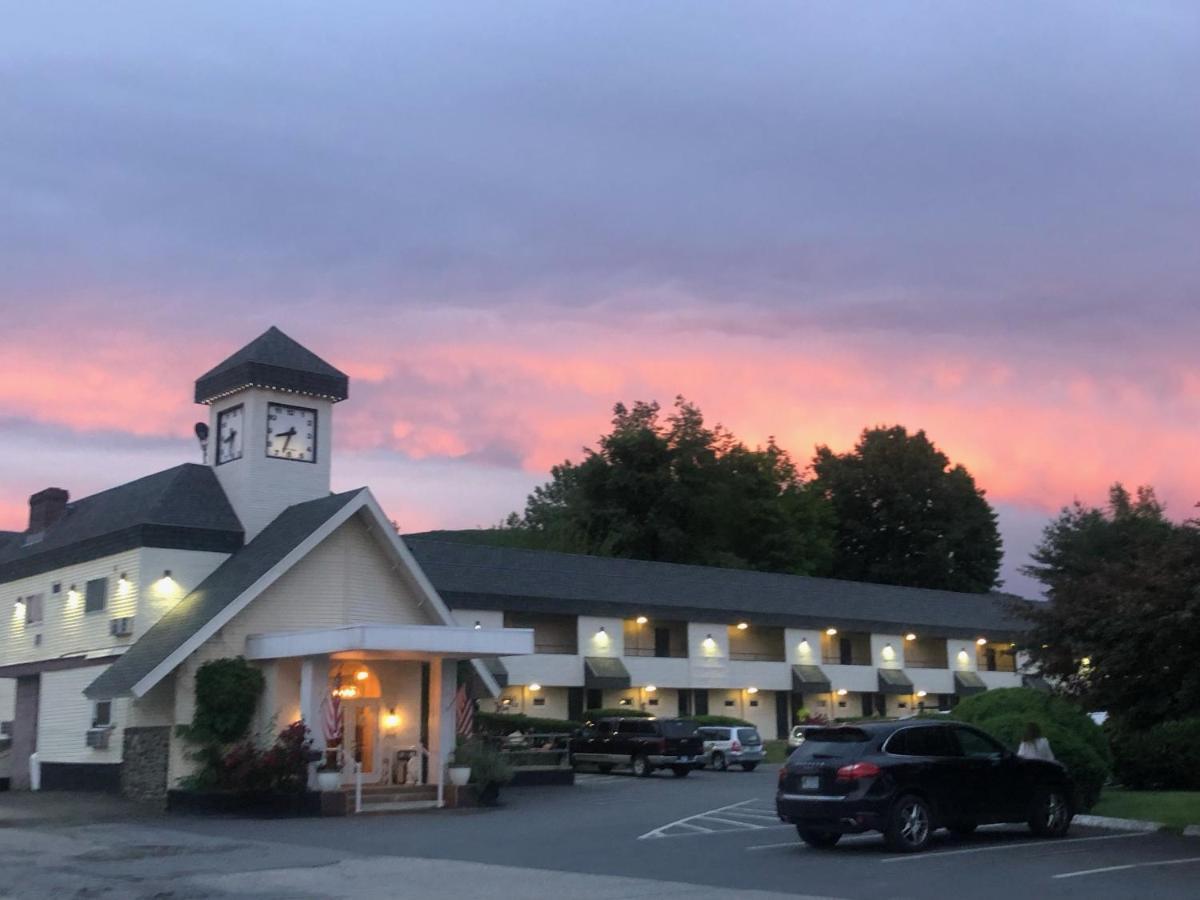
column 361, row 675
column 534, row 688
column 842, row 692
column 641, row 620
column 831, row 631
column 650, row 689
column 751, row 690
column 910, row 637
column 981, row 641
column 922, row 693
column 742, row 626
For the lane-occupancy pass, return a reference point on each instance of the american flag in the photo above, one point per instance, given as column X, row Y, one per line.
column 464, row 710
column 331, row 717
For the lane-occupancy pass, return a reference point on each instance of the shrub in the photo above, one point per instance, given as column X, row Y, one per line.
column 719, row 720
column 1165, row 756
column 243, row 767
column 506, row 723
column 627, row 712
column 1078, row 742
column 488, row 765
column 227, row 692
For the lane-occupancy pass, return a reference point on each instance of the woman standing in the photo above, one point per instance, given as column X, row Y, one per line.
column 1033, row 745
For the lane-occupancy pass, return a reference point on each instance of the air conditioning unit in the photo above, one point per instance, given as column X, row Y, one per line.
column 97, row 738
column 122, row 627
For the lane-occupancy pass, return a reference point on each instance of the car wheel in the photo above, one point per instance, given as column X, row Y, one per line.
column 640, row 766
column 749, row 767
column 962, row 829
column 605, row 768
column 718, row 762
column 909, row 826
column 1050, row 815
column 818, row 840
column 681, row 771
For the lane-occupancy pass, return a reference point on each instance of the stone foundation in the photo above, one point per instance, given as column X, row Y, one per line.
column 144, row 763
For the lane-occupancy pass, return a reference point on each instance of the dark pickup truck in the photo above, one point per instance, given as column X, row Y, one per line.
column 643, row 744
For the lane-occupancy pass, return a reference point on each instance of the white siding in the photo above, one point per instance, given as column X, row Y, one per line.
column 8, row 694
column 64, row 716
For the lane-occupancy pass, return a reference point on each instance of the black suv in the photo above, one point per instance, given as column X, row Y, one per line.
column 644, row 744
column 908, row 778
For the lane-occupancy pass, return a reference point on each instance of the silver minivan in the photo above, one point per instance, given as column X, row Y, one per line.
column 732, row 745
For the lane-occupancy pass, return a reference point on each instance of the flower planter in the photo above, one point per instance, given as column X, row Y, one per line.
column 329, row 781
column 459, row 775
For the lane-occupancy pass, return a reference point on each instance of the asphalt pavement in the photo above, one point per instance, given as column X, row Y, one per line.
column 711, row 834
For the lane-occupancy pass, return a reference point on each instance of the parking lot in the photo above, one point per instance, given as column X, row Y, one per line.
column 714, row 830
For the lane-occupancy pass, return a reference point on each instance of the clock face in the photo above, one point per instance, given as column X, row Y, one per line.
column 291, row 432
column 229, row 434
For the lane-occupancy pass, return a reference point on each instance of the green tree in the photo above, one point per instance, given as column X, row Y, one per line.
column 1122, row 620
column 673, row 489
column 906, row 516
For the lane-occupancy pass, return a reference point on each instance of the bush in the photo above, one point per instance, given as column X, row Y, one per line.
column 719, row 720
column 1165, row 756
column 243, row 767
column 506, row 723
column 227, row 692
column 1078, row 742
column 627, row 712
column 488, row 765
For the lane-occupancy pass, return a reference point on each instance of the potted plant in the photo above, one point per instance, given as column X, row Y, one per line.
column 459, row 769
column 329, row 772
column 489, row 770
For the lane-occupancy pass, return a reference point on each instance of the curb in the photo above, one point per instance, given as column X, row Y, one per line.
column 1123, row 824
column 1191, row 831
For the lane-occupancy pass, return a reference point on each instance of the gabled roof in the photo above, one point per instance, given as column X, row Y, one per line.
column 180, row 508
column 216, row 593
column 273, row 360
column 478, row 576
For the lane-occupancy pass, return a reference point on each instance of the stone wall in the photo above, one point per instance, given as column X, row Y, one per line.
column 144, row 763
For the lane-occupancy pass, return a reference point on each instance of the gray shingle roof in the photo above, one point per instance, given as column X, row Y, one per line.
column 216, row 592
column 480, row 576
column 183, row 508
column 273, row 360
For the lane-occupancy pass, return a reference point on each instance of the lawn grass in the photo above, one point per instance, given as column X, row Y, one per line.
column 1173, row 808
column 777, row 751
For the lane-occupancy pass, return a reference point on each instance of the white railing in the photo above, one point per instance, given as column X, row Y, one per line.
column 440, row 770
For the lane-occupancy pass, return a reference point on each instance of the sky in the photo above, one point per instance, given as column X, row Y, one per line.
column 502, row 218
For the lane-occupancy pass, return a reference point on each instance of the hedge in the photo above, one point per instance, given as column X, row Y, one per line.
column 719, row 720
column 506, row 723
column 1078, row 742
column 626, row 712
column 1165, row 756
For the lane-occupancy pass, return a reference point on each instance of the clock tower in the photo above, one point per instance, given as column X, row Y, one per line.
column 271, row 426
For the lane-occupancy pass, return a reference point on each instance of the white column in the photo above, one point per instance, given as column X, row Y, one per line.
column 314, row 685
column 442, row 725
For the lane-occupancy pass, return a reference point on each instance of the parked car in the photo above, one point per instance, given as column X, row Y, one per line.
column 908, row 778
column 796, row 735
column 730, row 745
column 643, row 744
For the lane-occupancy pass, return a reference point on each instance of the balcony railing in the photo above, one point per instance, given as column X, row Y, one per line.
column 836, row 659
column 649, row 652
column 565, row 649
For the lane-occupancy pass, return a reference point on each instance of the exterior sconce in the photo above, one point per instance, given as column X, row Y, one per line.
column 601, row 636
column 18, row 608
column 742, row 626
column 803, row 645
column 641, row 620
column 650, row 689
column 962, row 657
column 842, row 692
column 478, row 625
column 72, row 595
column 361, row 675
column 709, row 643
column 534, row 688
column 625, row 701
column 922, row 693
column 831, row 631
column 751, row 690
column 981, row 641
column 888, row 652
column 910, row 637
column 391, row 720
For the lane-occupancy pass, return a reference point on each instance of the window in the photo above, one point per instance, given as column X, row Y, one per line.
column 730, row 703
column 928, row 741
column 96, row 595
column 977, row 746
column 33, row 609
column 102, row 714
column 539, row 701
column 652, row 701
column 6, row 729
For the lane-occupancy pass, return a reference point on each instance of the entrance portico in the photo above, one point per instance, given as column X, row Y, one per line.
column 392, row 687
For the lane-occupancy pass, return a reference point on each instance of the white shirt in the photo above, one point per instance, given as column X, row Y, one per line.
column 1039, row 749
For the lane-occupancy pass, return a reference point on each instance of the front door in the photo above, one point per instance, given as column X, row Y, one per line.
column 361, row 721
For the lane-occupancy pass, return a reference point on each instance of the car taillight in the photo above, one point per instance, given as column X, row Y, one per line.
column 856, row 771
column 782, row 775
column 736, row 747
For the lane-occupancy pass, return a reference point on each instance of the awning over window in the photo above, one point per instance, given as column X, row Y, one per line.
column 810, row 680
column 968, row 683
column 605, row 672
column 894, row 681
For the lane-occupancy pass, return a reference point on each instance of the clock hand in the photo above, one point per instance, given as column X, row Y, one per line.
column 288, row 435
column 230, row 437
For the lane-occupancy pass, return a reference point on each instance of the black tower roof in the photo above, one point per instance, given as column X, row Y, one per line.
column 273, row 360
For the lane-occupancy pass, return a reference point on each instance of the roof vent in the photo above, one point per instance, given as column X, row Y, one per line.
column 45, row 508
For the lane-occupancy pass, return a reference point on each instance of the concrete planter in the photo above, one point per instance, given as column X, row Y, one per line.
column 459, row 775
column 329, row 781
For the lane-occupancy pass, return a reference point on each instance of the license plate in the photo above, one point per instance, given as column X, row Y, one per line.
column 810, row 782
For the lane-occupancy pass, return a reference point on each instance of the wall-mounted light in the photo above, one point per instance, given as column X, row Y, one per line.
column 601, row 636
column 751, row 690
column 19, row 608
column 641, row 620
column 842, row 692
column 164, row 584
column 650, row 689
column 73, row 595
column 534, row 688
column 391, row 719
column 831, row 631
column 803, row 645
column 962, row 656
column 506, row 702
column 981, row 641
column 910, row 637
column 625, row 701
column 1086, row 661
column 123, row 585
column 362, row 675
column 708, row 642
column 742, row 626
column 888, row 652
column 922, row 693
column 478, row 625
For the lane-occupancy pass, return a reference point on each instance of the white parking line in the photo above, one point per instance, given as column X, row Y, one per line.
column 1142, row 865
column 726, row 819
column 918, row 857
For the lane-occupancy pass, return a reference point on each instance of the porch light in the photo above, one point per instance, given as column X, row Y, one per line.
column 391, row 720
column 650, row 689
column 981, row 641
column 922, row 693
column 842, row 692
column 361, row 675
column 601, row 636
column 910, row 637
column 534, row 688
column 742, row 626
column 831, row 631
column 641, row 620
column 751, row 690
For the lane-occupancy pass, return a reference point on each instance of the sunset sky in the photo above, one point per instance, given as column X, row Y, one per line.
column 978, row 219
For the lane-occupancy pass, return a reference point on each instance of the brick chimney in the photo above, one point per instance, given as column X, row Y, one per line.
column 45, row 508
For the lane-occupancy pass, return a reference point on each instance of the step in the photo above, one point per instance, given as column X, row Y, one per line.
column 375, row 808
column 396, row 794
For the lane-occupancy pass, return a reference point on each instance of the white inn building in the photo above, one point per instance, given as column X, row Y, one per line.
column 114, row 600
